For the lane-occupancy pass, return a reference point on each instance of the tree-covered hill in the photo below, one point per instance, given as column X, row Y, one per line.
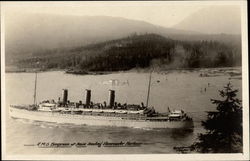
column 134, row 51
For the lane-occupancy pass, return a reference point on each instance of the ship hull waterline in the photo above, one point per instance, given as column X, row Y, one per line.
column 56, row 117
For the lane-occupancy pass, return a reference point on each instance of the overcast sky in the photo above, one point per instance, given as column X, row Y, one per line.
column 160, row 13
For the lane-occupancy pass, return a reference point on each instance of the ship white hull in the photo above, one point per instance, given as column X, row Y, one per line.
column 96, row 120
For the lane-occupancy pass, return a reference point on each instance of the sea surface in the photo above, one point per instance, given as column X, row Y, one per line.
column 179, row 89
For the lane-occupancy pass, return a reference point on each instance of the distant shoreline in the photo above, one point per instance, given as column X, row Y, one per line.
column 28, row 70
column 83, row 72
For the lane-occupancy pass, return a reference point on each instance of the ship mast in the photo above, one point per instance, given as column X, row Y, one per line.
column 35, row 90
column 149, row 84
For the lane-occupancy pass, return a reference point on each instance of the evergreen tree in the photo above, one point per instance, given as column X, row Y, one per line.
column 224, row 126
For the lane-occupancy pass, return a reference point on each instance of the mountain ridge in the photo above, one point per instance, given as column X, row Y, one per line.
column 36, row 32
column 136, row 51
column 213, row 20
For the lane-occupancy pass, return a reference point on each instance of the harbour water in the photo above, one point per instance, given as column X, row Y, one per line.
column 182, row 89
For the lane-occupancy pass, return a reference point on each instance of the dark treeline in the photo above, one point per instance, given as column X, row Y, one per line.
column 137, row 51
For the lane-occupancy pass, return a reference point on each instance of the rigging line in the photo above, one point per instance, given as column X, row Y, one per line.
column 35, row 90
column 149, row 84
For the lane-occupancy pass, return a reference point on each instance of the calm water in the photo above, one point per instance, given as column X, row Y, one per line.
column 178, row 90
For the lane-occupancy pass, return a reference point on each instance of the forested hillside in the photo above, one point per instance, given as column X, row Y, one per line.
column 136, row 51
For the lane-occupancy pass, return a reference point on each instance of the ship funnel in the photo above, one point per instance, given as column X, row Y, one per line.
column 64, row 96
column 111, row 98
column 88, row 97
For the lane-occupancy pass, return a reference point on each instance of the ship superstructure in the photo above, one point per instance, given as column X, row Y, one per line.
column 102, row 114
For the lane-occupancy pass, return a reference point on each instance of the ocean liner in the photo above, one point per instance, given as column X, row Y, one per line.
column 101, row 114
